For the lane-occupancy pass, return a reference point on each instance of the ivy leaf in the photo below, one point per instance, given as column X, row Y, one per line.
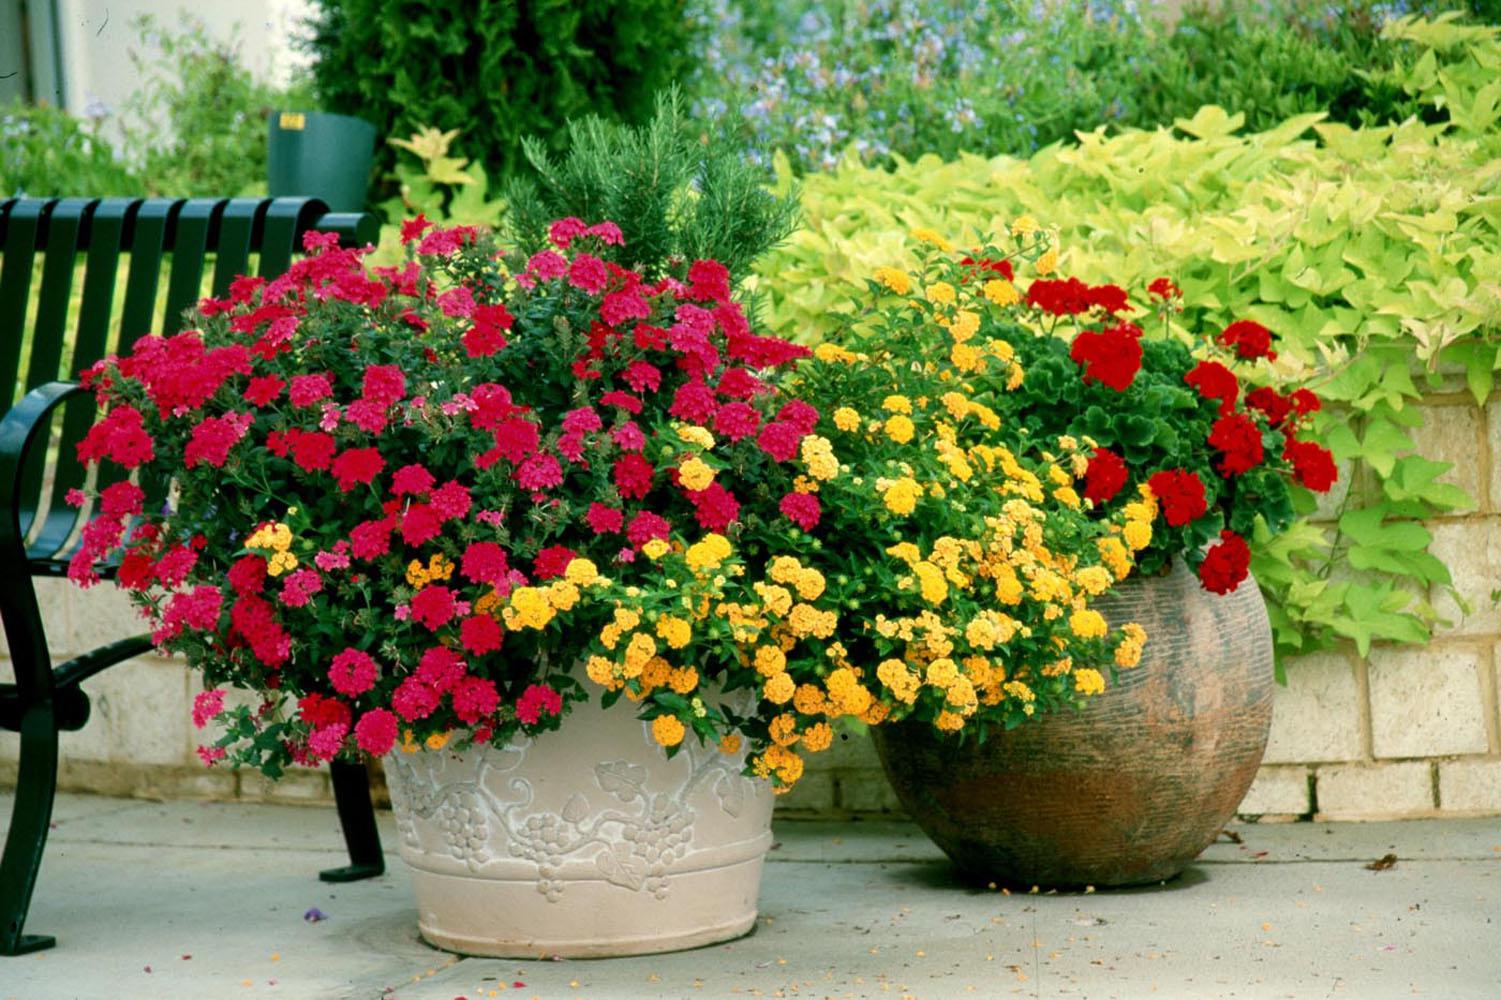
column 1416, row 478
column 1376, row 612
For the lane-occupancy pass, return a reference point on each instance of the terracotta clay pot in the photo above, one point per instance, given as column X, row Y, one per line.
column 1130, row 789
column 587, row 842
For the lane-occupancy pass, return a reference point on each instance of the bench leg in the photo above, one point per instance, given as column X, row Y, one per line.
column 357, row 817
column 35, row 785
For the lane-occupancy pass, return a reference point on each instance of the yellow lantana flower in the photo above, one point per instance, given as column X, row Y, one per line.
column 667, row 730
column 896, row 280
column 1087, row 624
column 708, row 552
column 901, row 496
column 900, row 429
column 695, row 475
column 1088, row 681
column 1001, row 292
column 676, row 631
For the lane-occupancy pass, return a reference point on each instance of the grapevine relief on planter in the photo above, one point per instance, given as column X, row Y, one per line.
column 634, row 846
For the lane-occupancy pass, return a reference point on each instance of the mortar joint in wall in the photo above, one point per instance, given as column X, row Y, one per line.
column 1363, row 707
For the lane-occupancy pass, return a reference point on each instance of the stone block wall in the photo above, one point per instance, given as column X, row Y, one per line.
column 1403, row 732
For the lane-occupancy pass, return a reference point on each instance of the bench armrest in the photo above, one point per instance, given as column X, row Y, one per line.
column 18, row 429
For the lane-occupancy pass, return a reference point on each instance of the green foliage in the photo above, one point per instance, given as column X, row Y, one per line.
column 444, row 188
column 498, row 69
column 1261, row 61
column 677, row 196
column 46, row 152
column 1372, row 252
column 197, row 124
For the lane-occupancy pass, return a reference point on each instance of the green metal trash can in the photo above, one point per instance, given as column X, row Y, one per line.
column 316, row 154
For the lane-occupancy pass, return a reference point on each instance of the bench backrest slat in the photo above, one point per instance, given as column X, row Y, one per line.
column 237, row 234
column 185, row 286
column 152, row 232
column 147, row 240
column 23, row 223
column 48, row 331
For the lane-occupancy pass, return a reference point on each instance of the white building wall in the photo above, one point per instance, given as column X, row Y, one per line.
column 98, row 36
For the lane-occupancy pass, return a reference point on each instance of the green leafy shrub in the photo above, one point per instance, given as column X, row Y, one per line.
column 1371, row 252
column 1270, row 63
column 500, row 70
column 197, row 124
column 46, row 152
column 677, row 195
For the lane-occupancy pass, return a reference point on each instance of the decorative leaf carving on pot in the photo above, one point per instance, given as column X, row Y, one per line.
column 619, row 867
column 480, row 805
column 576, row 809
column 730, row 788
column 621, row 779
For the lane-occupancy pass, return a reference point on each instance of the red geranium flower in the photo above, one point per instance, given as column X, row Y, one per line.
column 694, row 402
column 603, row 520
column 709, row 281
column 1305, row 402
column 1226, row 564
column 1111, row 357
column 433, row 606
column 1313, row 464
column 1239, row 440
column 1250, row 340
column 1163, row 288
column 1104, row 476
column 1181, row 494
column 1060, row 297
column 1215, row 381
column 263, row 389
column 1271, row 402
column 1001, row 267
column 411, row 479
column 1109, row 298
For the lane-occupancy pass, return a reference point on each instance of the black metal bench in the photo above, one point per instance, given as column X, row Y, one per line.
column 38, row 435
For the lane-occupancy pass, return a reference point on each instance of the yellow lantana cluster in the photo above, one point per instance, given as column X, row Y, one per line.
column 438, row 568
column 277, row 538
column 537, row 607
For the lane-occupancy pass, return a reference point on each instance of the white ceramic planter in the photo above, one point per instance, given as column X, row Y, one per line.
column 587, row 842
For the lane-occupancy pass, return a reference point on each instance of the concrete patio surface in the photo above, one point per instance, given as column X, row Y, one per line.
column 159, row 901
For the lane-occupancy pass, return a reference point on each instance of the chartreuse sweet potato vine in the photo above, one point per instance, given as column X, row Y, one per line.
column 1373, row 254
